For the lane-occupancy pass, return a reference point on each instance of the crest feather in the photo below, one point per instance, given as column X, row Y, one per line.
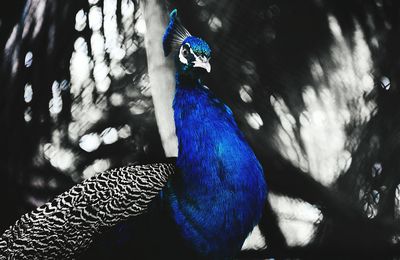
column 175, row 33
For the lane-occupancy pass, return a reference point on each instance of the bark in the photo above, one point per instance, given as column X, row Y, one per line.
column 161, row 73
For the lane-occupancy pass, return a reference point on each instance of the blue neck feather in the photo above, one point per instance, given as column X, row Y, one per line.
column 219, row 193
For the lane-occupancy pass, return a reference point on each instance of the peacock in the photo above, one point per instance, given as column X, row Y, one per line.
column 204, row 210
column 218, row 194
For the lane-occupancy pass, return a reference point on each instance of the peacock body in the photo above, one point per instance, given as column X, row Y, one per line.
column 217, row 197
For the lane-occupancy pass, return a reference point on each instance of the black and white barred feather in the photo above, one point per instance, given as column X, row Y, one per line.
column 64, row 227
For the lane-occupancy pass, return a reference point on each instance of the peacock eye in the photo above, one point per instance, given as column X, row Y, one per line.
column 185, row 53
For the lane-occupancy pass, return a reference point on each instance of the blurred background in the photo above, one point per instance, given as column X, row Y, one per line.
column 313, row 84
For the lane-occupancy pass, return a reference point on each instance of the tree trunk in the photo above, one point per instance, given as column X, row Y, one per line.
column 161, row 73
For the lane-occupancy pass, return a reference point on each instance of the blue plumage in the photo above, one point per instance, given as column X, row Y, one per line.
column 198, row 46
column 219, row 193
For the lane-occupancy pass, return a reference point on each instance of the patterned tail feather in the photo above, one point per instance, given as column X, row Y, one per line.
column 64, row 227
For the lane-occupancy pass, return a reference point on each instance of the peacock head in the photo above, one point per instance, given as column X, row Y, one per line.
column 192, row 54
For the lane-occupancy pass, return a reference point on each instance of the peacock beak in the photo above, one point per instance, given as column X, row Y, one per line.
column 202, row 63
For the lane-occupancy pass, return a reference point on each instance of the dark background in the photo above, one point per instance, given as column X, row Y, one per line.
column 314, row 85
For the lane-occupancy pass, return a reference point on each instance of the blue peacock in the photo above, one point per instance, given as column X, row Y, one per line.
column 217, row 197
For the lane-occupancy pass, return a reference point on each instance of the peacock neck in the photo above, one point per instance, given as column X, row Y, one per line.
column 186, row 80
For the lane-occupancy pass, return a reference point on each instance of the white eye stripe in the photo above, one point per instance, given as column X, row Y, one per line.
column 181, row 56
column 191, row 51
column 201, row 58
column 204, row 59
